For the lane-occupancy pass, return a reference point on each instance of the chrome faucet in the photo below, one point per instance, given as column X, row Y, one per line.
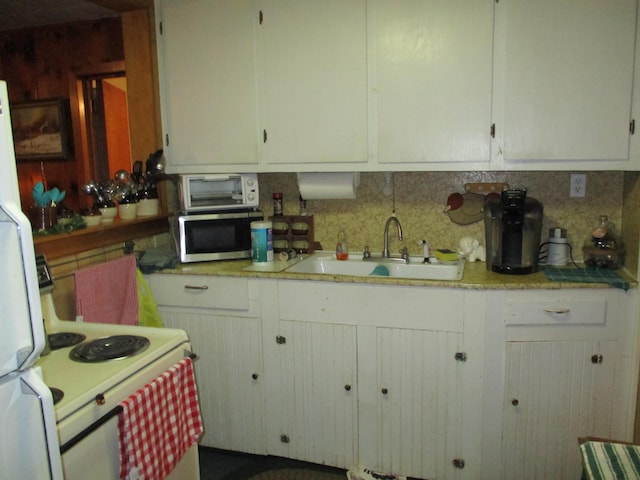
column 385, row 250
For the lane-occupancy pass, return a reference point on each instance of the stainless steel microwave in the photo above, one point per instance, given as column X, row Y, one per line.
column 217, row 192
column 215, row 236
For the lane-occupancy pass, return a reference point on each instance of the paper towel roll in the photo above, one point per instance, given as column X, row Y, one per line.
column 326, row 186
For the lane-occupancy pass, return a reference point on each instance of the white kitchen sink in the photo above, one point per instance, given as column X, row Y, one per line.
column 326, row 263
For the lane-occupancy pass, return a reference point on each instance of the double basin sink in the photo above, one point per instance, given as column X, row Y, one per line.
column 326, row 263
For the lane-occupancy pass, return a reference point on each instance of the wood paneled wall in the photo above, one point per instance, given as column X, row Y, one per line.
column 40, row 63
column 37, row 64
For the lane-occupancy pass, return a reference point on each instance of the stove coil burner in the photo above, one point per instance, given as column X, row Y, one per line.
column 109, row 348
column 57, row 394
column 65, row 339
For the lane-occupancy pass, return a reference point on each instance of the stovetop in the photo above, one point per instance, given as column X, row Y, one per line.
column 81, row 382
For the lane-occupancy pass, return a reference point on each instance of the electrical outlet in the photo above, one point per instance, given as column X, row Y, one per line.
column 578, row 186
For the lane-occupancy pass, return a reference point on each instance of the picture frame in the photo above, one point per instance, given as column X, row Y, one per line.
column 41, row 129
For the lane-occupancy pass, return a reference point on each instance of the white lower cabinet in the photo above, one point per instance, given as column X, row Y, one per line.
column 569, row 372
column 445, row 383
column 555, row 392
column 313, row 402
column 225, row 331
column 411, row 402
column 407, row 380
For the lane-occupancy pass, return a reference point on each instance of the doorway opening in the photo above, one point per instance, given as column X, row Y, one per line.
column 106, row 121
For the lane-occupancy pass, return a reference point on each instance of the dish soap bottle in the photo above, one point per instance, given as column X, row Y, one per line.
column 603, row 248
column 342, row 250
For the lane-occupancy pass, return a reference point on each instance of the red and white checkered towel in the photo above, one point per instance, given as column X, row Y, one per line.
column 159, row 423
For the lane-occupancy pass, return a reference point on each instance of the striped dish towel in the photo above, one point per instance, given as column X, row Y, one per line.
column 604, row 460
column 159, row 423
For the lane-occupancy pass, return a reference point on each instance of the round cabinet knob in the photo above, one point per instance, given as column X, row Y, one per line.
column 100, row 400
column 515, row 402
column 347, row 388
column 385, row 391
column 254, row 376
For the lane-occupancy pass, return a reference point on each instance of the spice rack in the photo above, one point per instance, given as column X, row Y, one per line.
column 293, row 232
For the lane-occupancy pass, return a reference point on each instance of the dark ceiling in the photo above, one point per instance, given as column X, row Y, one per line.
column 19, row 14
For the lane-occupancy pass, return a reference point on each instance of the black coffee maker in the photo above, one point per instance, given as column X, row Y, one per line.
column 512, row 225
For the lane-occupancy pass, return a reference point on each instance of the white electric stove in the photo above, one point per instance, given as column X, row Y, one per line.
column 87, row 392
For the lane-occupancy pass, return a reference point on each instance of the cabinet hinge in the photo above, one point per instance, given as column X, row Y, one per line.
column 632, row 126
column 492, row 130
column 280, row 340
column 597, row 359
column 264, row 136
column 260, row 17
column 166, row 139
column 160, row 28
column 461, row 356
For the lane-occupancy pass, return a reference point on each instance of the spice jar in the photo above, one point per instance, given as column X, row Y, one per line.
column 277, row 204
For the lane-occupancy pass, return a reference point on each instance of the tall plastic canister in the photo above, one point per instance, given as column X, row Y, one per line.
column 261, row 242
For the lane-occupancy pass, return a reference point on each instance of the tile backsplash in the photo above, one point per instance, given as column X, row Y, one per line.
column 420, row 199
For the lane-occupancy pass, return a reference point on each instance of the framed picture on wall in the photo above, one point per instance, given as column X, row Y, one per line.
column 41, row 129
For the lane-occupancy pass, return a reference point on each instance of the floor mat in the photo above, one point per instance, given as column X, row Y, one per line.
column 297, row 474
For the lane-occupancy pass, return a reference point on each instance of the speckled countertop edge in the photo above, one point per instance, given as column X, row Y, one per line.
column 476, row 276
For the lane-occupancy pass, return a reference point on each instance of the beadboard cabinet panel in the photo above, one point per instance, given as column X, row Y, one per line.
column 230, row 376
column 314, row 416
column 555, row 393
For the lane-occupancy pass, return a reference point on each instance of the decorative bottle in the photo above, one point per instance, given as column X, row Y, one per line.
column 603, row 248
column 342, row 250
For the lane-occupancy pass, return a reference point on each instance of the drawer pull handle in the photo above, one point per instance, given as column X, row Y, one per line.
column 196, row 287
column 558, row 311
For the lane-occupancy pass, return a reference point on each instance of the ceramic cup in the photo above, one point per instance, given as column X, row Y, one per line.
column 127, row 211
column 148, row 207
column 108, row 214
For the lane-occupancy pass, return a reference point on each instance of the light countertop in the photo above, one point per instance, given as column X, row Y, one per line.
column 475, row 276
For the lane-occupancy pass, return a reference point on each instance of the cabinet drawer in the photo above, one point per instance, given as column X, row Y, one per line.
column 561, row 311
column 200, row 291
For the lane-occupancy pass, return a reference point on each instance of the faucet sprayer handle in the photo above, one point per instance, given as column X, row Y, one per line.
column 404, row 254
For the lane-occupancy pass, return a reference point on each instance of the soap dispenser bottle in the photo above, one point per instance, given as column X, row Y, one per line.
column 342, row 250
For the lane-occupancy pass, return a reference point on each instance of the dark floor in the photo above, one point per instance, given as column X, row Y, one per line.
column 225, row 465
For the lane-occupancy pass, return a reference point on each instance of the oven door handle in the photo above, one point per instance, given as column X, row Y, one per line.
column 90, row 429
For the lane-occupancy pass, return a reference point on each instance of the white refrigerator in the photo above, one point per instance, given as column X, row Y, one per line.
column 28, row 439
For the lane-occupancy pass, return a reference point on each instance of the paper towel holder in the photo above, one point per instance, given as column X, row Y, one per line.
column 328, row 185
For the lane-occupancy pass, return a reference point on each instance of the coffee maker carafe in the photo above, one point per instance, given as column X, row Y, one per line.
column 513, row 224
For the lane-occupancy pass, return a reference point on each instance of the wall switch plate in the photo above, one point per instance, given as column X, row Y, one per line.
column 578, row 186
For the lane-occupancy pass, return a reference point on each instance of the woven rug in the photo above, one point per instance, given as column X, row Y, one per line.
column 297, row 474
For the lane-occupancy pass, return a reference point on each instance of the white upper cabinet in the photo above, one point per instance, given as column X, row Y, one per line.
column 563, row 84
column 207, row 67
column 431, row 82
column 315, row 82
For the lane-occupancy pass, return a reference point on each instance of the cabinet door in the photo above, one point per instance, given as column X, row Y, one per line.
column 315, row 81
column 230, row 377
column 313, row 408
column 207, row 66
column 433, row 64
column 564, row 72
column 418, row 397
column 555, row 392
